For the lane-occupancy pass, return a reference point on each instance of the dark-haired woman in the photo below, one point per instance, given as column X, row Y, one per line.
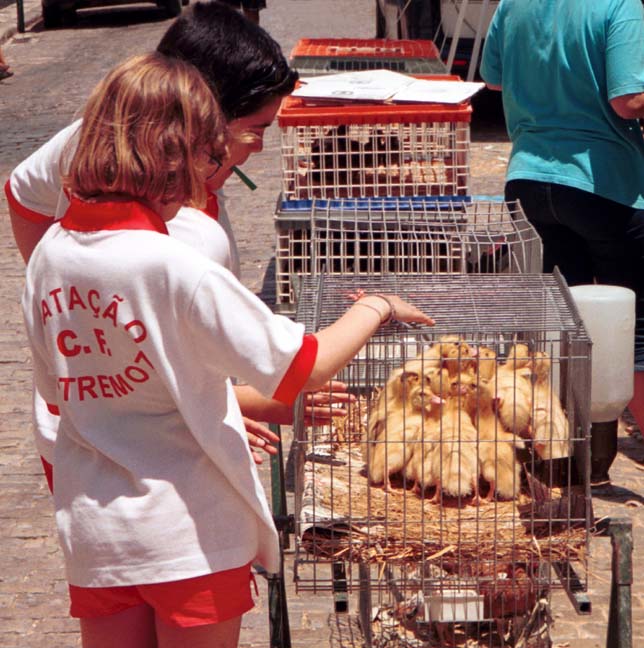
column 247, row 72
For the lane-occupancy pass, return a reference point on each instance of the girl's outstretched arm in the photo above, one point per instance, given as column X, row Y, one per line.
column 340, row 342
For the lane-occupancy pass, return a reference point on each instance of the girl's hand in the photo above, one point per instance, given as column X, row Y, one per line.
column 403, row 311
column 320, row 406
column 399, row 309
column 259, row 436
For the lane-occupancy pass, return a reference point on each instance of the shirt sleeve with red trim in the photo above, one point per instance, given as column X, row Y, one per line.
column 298, row 372
column 21, row 210
column 235, row 334
column 34, row 190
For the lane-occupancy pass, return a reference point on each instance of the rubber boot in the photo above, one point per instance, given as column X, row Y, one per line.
column 603, row 449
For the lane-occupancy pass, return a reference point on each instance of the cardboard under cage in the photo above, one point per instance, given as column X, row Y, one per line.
column 525, row 326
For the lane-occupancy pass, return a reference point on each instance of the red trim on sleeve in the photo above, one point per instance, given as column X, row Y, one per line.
column 298, row 372
column 53, row 409
column 25, row 212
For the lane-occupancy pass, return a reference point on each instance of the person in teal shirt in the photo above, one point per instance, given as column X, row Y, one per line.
column 572, row 77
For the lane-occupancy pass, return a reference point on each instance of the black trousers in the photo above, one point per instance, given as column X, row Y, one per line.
column 591, row 239
column 246, row 4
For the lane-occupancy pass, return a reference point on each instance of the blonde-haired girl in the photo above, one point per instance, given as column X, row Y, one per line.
column 134, row 336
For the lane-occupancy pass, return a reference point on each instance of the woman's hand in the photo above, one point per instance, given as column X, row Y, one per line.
column 322, row 405
column 259, row 436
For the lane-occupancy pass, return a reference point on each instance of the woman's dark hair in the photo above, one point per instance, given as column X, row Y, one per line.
column 242, row 64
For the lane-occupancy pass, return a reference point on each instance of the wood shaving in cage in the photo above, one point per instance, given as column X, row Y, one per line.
column 371, row 525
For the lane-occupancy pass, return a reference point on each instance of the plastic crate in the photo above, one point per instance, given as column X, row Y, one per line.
column 374, row 150
column 404, row 236
column 318, row 56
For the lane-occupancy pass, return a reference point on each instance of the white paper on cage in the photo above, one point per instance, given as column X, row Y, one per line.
column 430, row 91
column 366, row 85
column 385, row 86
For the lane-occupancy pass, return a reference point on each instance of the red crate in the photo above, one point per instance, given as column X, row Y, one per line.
column 367, row 47
column 317, row 56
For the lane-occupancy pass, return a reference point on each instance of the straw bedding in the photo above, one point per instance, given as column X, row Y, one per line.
column 344, row 517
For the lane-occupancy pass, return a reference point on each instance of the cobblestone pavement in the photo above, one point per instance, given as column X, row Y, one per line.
column 54, row 72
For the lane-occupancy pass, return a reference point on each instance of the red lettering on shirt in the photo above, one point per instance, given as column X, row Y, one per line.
column 136, row 374
column 66, row 382
column 96, row 308
column 45, row 311
column 71, row 343
column 111, row 312
column 61, row 343
column 104, row 386
column 86, row 384
column 142, row 335
column 120, row 385
column 99, row 334
column 141, row 357
column 54, row 294
column 75, row 299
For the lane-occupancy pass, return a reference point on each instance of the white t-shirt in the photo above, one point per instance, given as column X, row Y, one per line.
column 133, row 337
column 34, row 191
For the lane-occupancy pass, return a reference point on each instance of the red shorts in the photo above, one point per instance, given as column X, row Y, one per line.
column 202, row 600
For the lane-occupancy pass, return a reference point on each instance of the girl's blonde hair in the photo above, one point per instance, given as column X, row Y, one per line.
column 145, row 130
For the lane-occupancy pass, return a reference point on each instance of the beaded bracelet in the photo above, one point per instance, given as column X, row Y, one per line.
column 374, row 309
column 392, row 310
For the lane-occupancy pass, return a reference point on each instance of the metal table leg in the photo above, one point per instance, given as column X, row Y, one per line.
column 620, row 621
column 280, row 633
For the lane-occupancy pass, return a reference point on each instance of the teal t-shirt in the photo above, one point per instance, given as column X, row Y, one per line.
column 559, row 62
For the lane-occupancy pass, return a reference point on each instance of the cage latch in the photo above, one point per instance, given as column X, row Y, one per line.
column 285, row 523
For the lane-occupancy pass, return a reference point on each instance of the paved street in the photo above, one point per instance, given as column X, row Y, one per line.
column 54, row 71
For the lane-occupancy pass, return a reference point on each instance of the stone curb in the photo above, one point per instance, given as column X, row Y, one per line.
column 32, row 14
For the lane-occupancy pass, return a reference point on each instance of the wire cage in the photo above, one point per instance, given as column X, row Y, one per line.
column 318, row 56
column 413, row 236
column 454, row 496
column 375, row 150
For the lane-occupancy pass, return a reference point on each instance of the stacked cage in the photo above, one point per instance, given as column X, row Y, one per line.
column 411, row 236
column 454, row 495
column 380, row 174
column 349, row 150
column 318, row 56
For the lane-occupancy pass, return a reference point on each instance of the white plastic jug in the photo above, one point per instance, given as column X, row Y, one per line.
column 608, row 313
